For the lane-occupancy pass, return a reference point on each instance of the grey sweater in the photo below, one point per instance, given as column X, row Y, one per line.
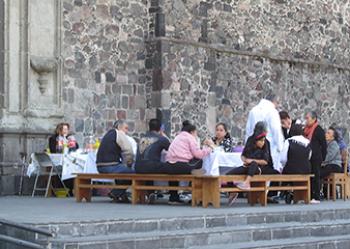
column 333, row 154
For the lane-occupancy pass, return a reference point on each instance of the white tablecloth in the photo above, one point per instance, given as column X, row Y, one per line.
column 218, row 159
column 77, row 162
column 74, row 162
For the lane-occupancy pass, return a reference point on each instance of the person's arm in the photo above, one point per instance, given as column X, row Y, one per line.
column 165, row 143
column 260, row 162
column 126, row 147
column 52, row 144
column 284, row 153
column 198, row 152
column 276, row 130
column 332, row 152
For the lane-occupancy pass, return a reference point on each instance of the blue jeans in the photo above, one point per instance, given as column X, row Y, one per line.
column 119, row 168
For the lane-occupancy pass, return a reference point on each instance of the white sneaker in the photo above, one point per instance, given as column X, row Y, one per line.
column 313, row 201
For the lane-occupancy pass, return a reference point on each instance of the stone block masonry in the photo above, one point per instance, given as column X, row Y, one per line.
column 218, row 58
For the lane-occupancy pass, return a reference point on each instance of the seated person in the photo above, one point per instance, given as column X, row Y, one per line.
column 61, row 138
column 343, row 149
column 57, row 143
column 256, row 157
column 288, row 124
column 333, row 161
column 296, row 153
column 115, row 156
column 222, row 137
column 122, row 125
column 148, row 159
column 185, row 151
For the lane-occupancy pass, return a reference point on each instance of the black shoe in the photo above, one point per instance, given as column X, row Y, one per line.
column 151, row 198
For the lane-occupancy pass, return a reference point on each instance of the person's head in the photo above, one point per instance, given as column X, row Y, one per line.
column 286, row 121
column 121, row 125
column 154, row 125
column 221, row 131
column 310, row 118
column 260, row 127
column 62, row 129
column 188, row 127
column 331, row 134
column 298, row 130
column 273, row 98
column 260, row 140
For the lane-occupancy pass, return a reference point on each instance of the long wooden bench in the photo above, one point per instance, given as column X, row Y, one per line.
column 204, row 189
column 260, row 186
column 139, row 185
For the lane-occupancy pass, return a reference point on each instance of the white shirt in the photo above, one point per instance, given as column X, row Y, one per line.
column 266, row 111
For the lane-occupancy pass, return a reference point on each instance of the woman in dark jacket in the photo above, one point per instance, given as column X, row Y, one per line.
column 62, row 136
column 318, row 144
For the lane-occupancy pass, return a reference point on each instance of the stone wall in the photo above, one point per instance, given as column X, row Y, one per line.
column 104, row 55
column 2, row 40
column 220, row 57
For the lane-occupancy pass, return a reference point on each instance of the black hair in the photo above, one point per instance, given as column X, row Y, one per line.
column 225, row 128
column 297, row 130
column 271, row 97
column 260, row 127
column 284, row 115
column 154, row 125
column 335, row 132
column 187, row 126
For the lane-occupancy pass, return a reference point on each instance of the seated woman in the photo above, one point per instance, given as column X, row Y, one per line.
column 333, row 161
column 222, row 137
column 62, row 137
column 256, row 157
column 184, row 151
column 296, row 153
column 57, row 142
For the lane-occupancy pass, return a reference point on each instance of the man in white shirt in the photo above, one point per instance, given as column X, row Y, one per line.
column 266, row 111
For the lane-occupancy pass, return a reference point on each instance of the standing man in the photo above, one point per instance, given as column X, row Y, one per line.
column 318, row 144
column 266, row 111
column 289, row 125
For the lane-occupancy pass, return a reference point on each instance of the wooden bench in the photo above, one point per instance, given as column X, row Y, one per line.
column 139, row 187
column 260, row 186
column 204, row 189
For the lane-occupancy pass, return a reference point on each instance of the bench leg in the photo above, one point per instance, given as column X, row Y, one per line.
column 211, row 192
column 135, row 193
column 259, row 196
column 302, row 195
column 82, row 193
column 196, row 191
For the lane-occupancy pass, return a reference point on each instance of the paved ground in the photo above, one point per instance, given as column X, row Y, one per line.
column 51, row 210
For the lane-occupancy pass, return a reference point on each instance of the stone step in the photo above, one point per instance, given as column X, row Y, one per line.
column 332, row 242
column 208, row 236
column 81, row 229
